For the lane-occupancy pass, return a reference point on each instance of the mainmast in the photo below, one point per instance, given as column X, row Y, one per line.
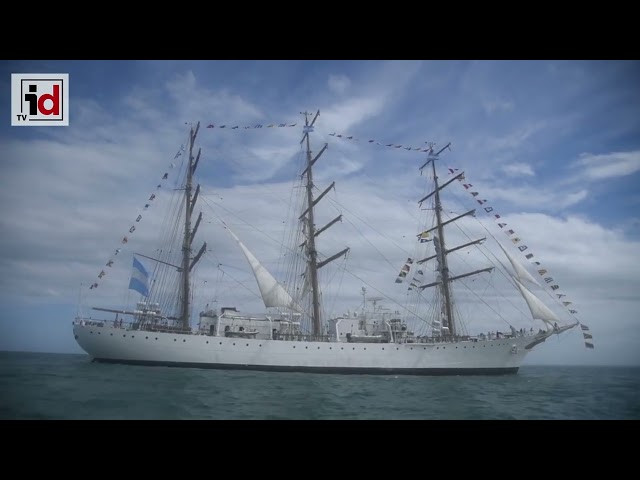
column 312, row 255
column 187, row 263
column 444, row 269
column 439, row 243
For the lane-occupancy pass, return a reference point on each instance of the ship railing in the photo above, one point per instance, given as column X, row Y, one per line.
column 96, row 322
column 127, row 325
column 462, row 338
column 301, row 337
column 438, row 339
column 165, row 329
column 91, row 322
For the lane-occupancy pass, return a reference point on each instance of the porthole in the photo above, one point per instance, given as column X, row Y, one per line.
column 146, row 338
column 294, row 346
column 156, row 338
column 184, row 340
column 111, row 334
column 123, row 336
column 247, row 344
column 207, row 342
column 306, row 348
column 234, row 344
column 220, row 343
column 365, row 348
column 383, row 348
column 318, row 348
column 175, row 340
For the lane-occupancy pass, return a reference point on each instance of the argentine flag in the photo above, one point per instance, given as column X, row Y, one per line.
column 139, row 278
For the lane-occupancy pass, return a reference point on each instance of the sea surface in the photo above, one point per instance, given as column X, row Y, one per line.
column 61, row 386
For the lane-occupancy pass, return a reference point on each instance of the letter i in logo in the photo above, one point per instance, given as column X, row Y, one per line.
column 32, row 98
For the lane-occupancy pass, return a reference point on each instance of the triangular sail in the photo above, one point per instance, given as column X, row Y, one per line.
column 538, row 309
column 273, row 295
column 518, row 268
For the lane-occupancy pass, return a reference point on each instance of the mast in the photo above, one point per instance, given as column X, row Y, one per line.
column 186, row 244
column 444, row 269
column 310, row 243
column 441, row 251
column 312, row 254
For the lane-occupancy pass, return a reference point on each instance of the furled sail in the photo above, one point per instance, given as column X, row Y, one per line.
column 273, row 295
column 538, row 309
column 519, row 269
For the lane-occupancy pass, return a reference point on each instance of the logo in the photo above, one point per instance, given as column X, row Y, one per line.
column 40, row 99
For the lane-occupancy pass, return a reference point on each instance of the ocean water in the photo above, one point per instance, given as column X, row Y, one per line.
column 59, row 386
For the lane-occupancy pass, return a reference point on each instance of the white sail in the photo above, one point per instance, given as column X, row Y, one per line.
column 273, row 295
column 538, row 309
column 519, row 269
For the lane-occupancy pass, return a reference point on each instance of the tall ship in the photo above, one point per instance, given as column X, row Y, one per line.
column 428, row 334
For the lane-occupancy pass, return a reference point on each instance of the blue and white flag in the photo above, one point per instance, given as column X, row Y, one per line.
column 139, row 278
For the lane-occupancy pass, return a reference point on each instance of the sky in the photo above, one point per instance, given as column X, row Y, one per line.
column 553, row 146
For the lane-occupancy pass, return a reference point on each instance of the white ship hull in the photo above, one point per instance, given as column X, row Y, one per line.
column 118, row 345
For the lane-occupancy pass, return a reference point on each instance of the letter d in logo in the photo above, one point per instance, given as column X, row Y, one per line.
column 55, row 98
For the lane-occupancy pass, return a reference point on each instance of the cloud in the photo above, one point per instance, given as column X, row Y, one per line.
column 491, row 106
column 338, row 83
column 547, row 198
column 376, row 92
column 516, row 138
column 193, row 101
column 518, row 170
column 615, row 164
column 344, row 115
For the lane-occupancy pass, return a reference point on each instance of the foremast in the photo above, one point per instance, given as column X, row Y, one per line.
column 308, row 217
column 187, row 262
column 445, row 279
